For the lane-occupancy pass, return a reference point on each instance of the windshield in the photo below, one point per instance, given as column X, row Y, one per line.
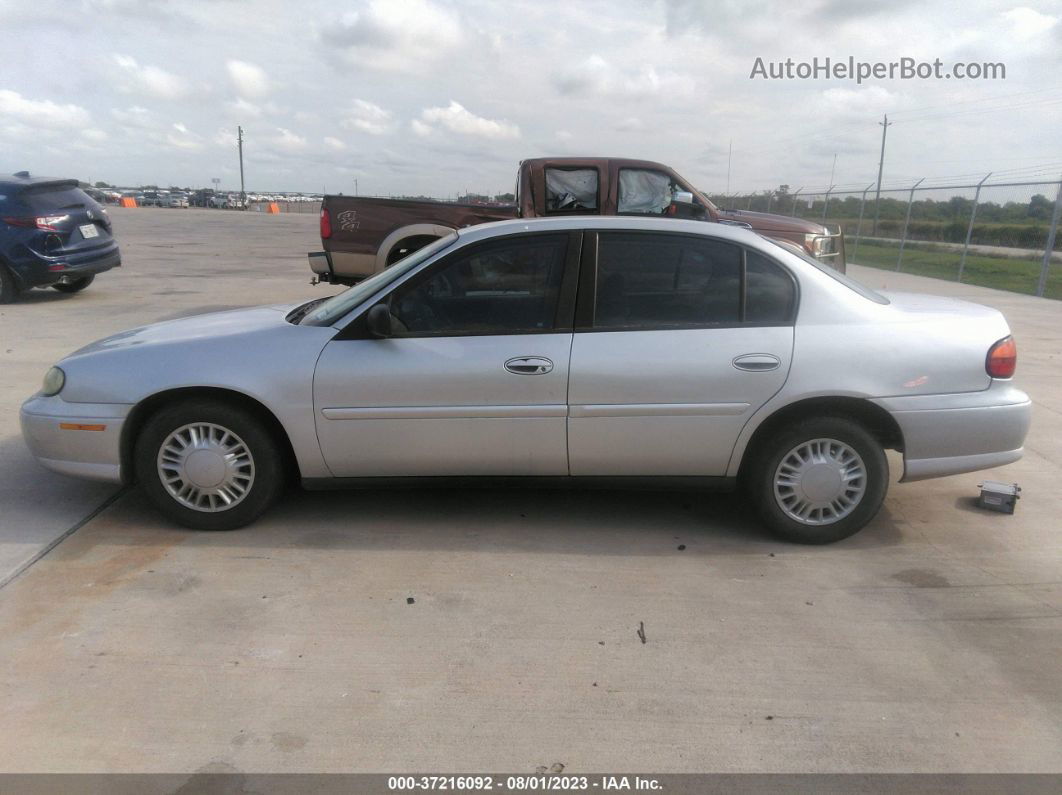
column 844, row 279
column 340, row 304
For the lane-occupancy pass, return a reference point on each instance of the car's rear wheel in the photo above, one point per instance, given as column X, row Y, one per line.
column 820, row 481
column 208, row 465
column 75, row 285
column 8, row 287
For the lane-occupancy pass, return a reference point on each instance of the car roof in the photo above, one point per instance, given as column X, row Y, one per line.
column 738, row 234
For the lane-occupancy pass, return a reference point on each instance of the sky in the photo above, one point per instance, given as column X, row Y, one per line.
column 439, row 97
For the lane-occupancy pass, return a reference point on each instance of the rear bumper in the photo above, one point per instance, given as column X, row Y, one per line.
column 965, row 432
column 78, row 439
column 339, row 267
column 37, row 270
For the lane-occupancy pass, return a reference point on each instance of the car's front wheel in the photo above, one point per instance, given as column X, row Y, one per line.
column 208, row 465
column 820, row 481
column 75, row 285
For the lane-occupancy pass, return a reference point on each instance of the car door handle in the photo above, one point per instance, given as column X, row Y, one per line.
column 529, row 365
column 757, row 362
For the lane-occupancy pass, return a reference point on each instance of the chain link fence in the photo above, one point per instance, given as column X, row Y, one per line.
column 994, row 233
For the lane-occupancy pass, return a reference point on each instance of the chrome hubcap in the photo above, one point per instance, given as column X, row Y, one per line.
column 820, row 482
column 206, row 467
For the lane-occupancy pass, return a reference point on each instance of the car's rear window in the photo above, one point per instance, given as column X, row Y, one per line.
column 47, row 200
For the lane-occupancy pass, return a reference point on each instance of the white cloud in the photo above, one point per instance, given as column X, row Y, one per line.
column 395, row 36
column 249, row 79
column 180, row 137
column 149, row 80
column 334, row 143
column 455, row 118
column 1027, row 23
column 135, row 116
column 287, row 141
column 367, row 117
column 40, row 112
column 94, row 135
column 595, row 75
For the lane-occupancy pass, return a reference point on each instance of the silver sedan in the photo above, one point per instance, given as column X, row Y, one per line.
column 576, row 350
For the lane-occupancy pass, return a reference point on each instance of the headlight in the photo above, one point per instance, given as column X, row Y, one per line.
column 818, row 244
column 54, row 380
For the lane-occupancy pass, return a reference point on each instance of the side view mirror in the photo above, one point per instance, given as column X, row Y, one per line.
column 379, row 321
column 682, row 197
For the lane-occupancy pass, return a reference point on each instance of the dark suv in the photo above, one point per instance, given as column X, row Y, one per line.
column 52, row 234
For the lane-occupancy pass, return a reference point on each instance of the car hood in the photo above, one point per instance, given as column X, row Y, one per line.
column 213, row 325
column 769, row 222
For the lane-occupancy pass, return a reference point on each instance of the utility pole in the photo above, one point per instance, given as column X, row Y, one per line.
column 729, row 158
column 239, row 146
column 355, row 186
column 833, row 169
column 881, row 165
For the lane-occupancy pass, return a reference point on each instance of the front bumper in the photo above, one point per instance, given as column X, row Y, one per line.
column 835, row 257
column 78, row 439
column 965, row 432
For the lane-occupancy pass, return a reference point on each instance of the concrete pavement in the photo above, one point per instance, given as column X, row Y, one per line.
column 450, row 631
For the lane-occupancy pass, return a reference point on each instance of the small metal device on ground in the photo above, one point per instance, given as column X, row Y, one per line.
column 997, row 496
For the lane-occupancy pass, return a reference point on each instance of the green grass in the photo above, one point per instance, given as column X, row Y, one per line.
column 1001, row 273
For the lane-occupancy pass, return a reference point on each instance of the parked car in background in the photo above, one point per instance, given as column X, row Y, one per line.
column 176, row 200
column 575, row 350
column 201, row 198
column 362, row 236
column 52, row 234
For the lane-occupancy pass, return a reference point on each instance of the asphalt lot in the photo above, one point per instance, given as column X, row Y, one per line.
column 452, row 631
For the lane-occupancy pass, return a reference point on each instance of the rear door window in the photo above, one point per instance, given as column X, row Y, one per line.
column 654, row 281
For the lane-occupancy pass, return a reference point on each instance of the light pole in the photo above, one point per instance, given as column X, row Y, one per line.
column 881, row 165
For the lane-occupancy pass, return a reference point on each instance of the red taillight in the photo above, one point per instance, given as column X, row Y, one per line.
column 1002, row 358
column 326, row 224
column 45, row 222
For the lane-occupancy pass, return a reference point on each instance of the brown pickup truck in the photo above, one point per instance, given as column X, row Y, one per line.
column 362, row 236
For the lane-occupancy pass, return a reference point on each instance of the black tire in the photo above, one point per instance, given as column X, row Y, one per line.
column 76, row 286
column 760, row 482
column 268, row 463
column 8, row 287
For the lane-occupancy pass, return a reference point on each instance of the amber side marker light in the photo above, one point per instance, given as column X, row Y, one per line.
column 1002, row 358
column 80, row 426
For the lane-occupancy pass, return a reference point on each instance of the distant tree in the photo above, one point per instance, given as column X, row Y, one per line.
column 507, row 198
column 1040, row 207
column 102, row 184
